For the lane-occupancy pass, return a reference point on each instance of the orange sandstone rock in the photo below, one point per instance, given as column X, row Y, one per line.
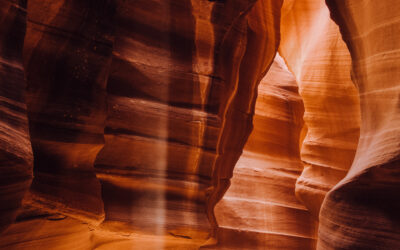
column 361, row 211
column 316, row 54
column 141, row 112
column 260, row 209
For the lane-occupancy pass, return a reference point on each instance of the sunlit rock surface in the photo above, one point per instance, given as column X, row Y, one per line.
column 361, row 212
column 157, row 118
column 316, row 54
column 260, row 210
column 162, row 124
column 178, row 80
column 181, row 83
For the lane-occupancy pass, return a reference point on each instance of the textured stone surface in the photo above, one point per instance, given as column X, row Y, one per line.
column 362, row 210
column 67, row 54
column 15, row 148
column 261, row 41
column 316, row 54
column 156, row 120
column 260, row 209
column 60, row 232
column 181, row 83
column 141, row 112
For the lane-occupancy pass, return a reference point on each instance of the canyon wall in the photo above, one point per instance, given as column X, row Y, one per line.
column 260, row 209
column 168, row 88
column 154, row 124
column 181, row 83
column 361, row 211
column 316, row 54
column 15, row 148
column 67, row 55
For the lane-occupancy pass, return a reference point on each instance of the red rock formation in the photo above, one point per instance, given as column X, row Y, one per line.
column 139, row 112
column 172, row 113
column 361, row 212
column 15, row 148
column 317, row 56
column 67, row 56
column 260, row 209
column 261, row 41
column 156, row 120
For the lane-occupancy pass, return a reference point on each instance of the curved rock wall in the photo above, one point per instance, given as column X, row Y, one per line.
column 316, row 54
column 156, row 120
column 139, row 111
column 15, row 147
column 260, row 209
column 362, row 210
column 172, row 113
column 67, row 54
column 258, row 49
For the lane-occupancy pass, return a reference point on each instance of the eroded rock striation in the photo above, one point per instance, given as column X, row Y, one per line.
column 67, row 56
column 181, row 83
column 362, row 210
column 155, row 124
column 316, row 54
column 15, row 147
column 260, row 209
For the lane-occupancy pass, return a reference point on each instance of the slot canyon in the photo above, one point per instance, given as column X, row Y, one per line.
column 200, row 124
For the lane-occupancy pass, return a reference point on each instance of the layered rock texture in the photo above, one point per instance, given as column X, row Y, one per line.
column 260, row 209
column 15, row 149
column 67, row 56
column 360, row 212
column 187, row 124
column 320, row 62
column 174, row 100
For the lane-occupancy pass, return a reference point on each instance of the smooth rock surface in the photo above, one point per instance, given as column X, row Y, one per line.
column 161, row 124
column 67, row 56
column 15, row 147
column 260, row 210
column 172, row 113
column 316, row 54
column 361, row 211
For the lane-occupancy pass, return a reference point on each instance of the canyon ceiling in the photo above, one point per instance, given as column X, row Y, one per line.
column 187, row 124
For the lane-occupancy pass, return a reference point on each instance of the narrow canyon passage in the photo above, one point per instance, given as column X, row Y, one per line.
column 260, row 209
column 199, row 124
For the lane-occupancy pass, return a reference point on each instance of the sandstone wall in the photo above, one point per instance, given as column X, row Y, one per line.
column 260, row 209
column 15, row 147
column 138, row 118
column 361, row 210
column 316, row 54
